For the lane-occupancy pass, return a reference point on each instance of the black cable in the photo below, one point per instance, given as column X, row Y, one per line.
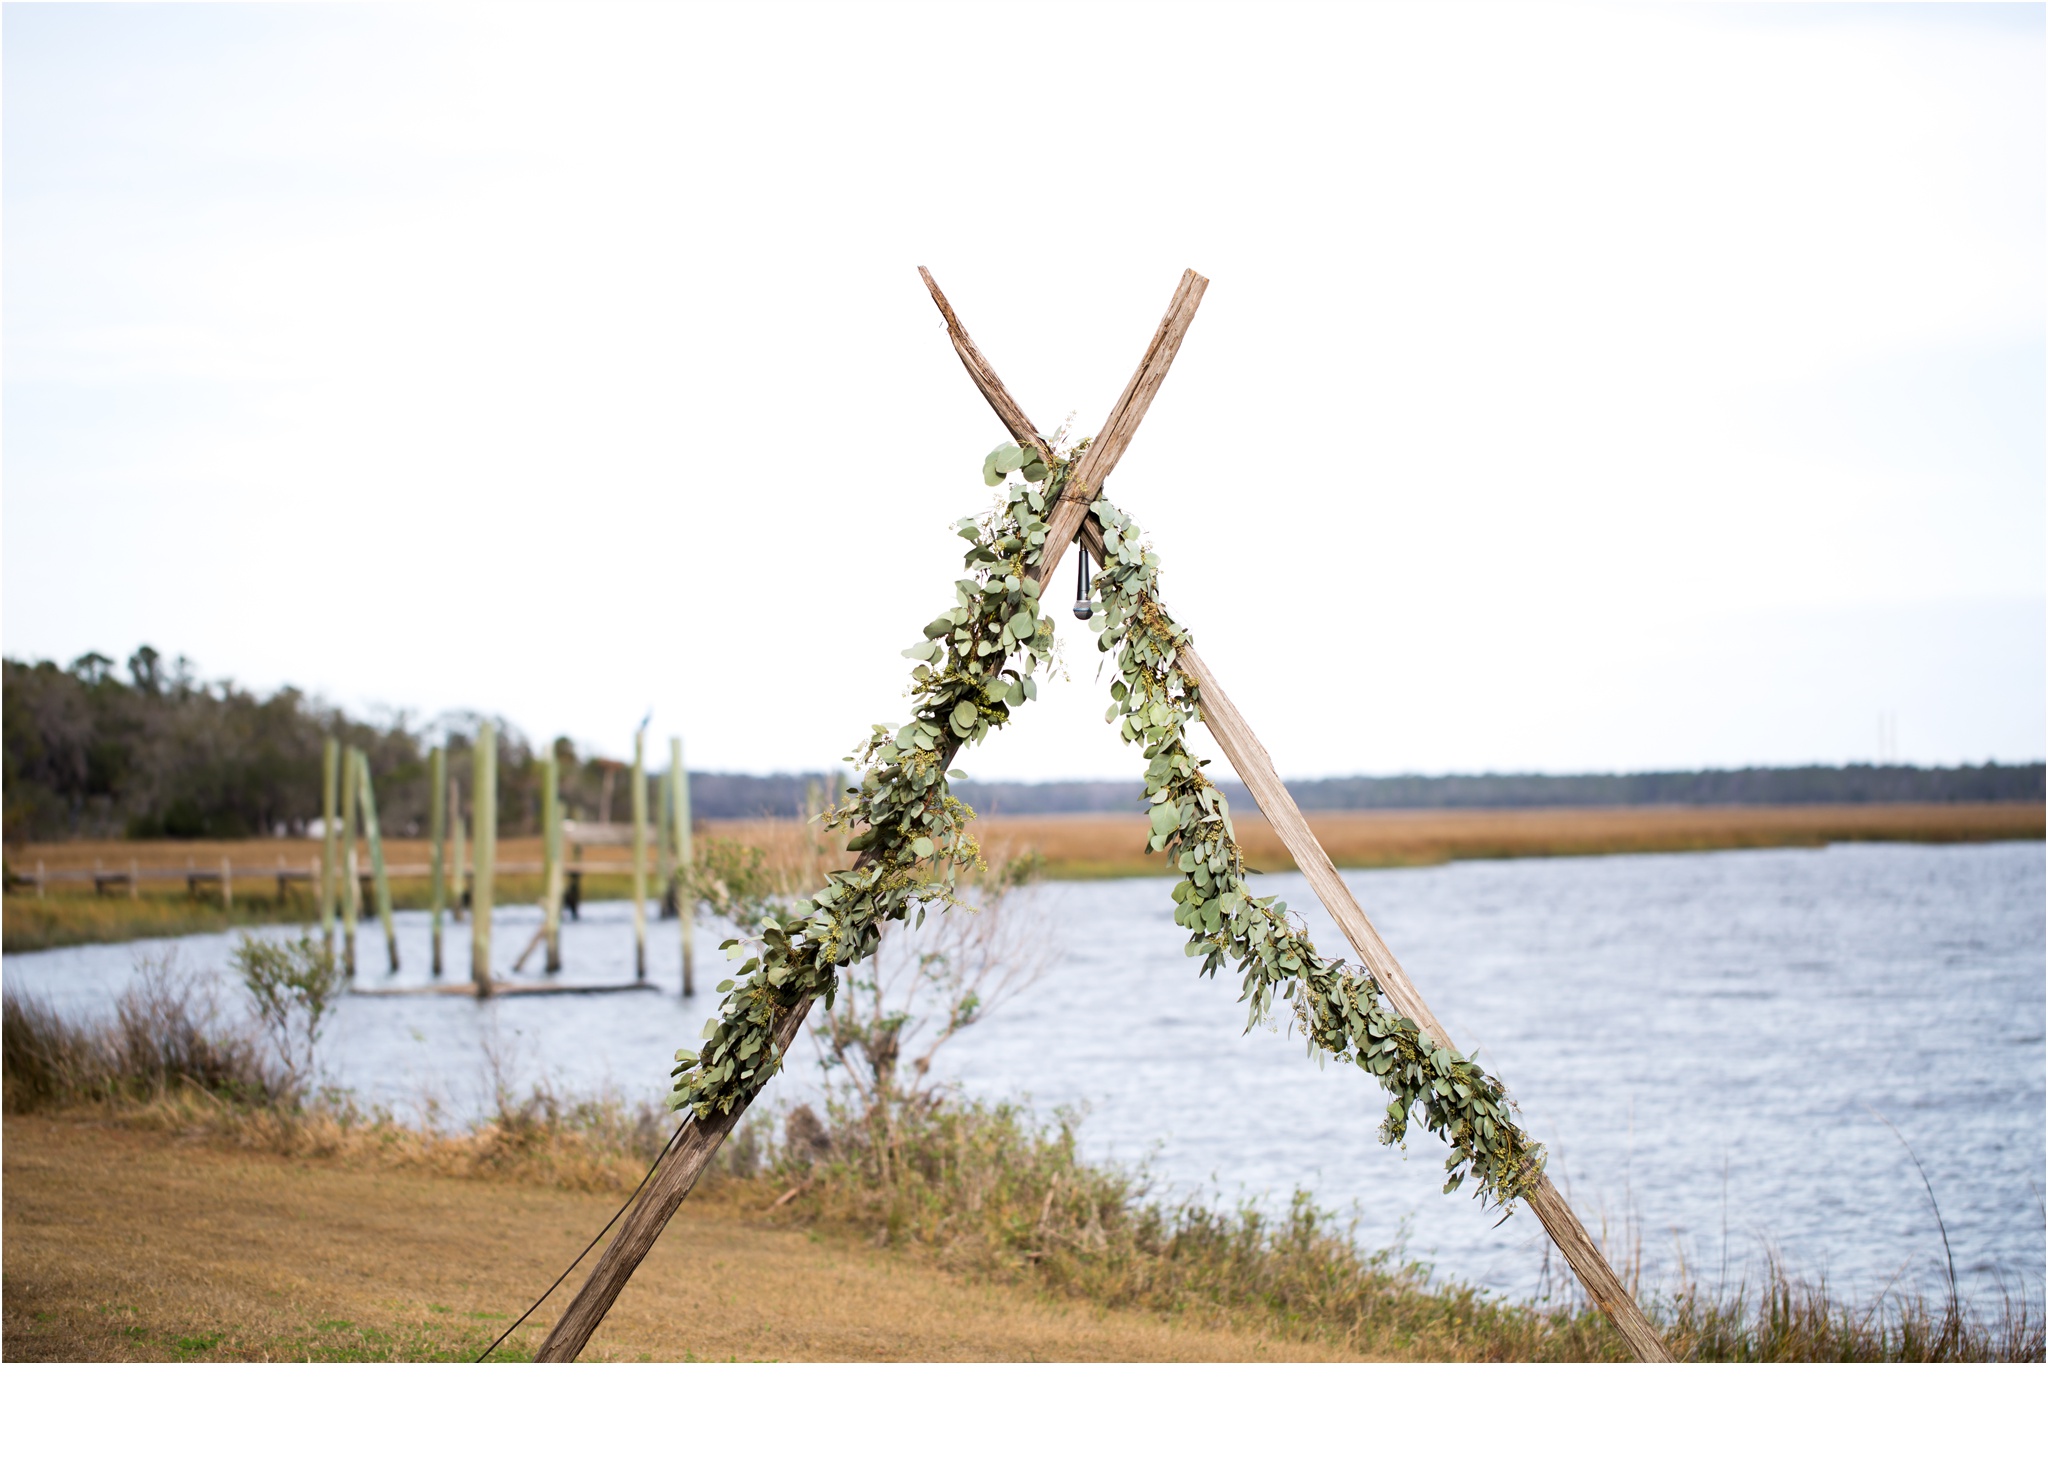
column 593, row 1242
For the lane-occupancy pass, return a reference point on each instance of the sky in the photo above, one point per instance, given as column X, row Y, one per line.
column 1578, row 388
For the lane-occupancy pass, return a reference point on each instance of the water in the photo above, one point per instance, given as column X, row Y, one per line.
column 1705, row 1043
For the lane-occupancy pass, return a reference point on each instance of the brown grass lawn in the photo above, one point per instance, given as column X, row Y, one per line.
column 128, row 1244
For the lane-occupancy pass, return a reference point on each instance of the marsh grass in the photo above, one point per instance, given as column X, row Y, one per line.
column 70, row 918
column 986, row 1190
column 166, row 1038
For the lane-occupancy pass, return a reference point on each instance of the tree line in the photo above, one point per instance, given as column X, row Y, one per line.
column 159, row 753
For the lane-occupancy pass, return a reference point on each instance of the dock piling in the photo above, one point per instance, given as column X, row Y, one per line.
column 330, row 770
column 640, row 854
column 375, row 835
column 437, row 839
column 352, row 908
column 686, row 874
column 551, row 859
column 483, row 799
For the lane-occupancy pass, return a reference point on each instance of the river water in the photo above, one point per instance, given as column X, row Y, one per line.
column 1710, row 1045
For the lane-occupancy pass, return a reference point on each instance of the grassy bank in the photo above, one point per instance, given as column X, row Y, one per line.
column 948, row 1230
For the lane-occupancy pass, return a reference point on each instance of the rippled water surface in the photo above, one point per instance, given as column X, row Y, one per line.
column 1705, row 1042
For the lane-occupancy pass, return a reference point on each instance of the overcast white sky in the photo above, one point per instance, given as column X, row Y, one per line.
column 1578, row 388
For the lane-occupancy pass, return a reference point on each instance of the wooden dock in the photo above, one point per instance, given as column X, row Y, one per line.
column 500, row 988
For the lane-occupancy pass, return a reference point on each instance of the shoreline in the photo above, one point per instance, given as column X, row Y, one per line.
column 1066, row 847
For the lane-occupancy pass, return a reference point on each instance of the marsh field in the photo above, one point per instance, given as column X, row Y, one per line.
column 1071, row 847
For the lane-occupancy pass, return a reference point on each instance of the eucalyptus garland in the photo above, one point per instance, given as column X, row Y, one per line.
column 976, row 664
column 1339, row 1005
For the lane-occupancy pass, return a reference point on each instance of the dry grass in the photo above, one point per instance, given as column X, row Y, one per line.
column 71, row 914
column 1082, row 846
column 1073, row 846
column 123, row 1243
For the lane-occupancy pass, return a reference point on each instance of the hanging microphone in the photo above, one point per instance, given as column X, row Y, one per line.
column 1084, row 608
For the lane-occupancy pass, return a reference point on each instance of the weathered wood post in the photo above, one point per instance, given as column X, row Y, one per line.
column 41, row 891
column 664, row 842
column 134, row 879
column 459, row 868
column 227, row 886
column 686, row 885
column 352, row 897
column 551, row 858
column 483, row 799
column 437, row 840
column 374, row 833
column 640, row 854
column 330, row 771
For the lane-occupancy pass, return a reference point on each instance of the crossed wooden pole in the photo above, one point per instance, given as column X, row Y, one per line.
column 699, row 1139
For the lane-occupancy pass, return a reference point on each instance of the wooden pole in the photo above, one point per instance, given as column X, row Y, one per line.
column 330, row 771
column 676, row 1173
column 640, row 854
column 41, row 891
column 686, row 899
column 437, row 841
column 378, row 880
column 1254, row 767
column 460, row 867
column 1106, row 449
column 664, row 839
column 227, row 886
column 483, row 799
column 134, row 879
column 352, row 909
column 672, row 1180
column 551, row 857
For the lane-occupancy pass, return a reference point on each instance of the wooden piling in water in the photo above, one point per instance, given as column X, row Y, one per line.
column 686, row 886
column 375, row 835
column 227, row 886
column 352, row 909
column 459, row 875
column 551, row 858
column 483, row 801
column 640, row 854
column 330, row 770
column 664, row 842
column 437, row 838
